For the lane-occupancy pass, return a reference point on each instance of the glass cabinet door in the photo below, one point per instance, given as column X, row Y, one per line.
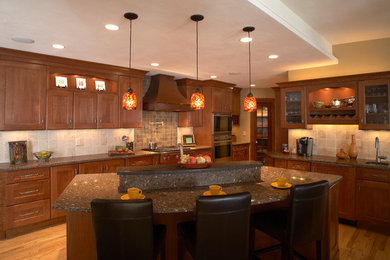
column 374, row 107
column 263, row 130
column 293, row 113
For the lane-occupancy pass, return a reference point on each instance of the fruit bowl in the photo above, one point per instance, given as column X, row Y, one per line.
column 195, row 165
column 43, row 155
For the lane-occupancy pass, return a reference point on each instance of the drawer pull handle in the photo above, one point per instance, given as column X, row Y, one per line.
column 28, row 192
column 29, row 213
column 28, row 175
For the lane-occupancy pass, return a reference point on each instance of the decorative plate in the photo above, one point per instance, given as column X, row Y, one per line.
column 275, row 185
column 208, row 193
column 126, row 197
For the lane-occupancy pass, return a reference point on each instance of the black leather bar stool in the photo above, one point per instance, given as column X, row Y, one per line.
column 221, row 230
column 303, row 222
column 124, row 230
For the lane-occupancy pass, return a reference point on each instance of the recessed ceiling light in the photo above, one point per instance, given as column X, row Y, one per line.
column 58, row 46
column 273, row 56
column 246, row 39
column 111, row 27
column 154, row 64
column 213, row 76
column 253, row 85
column 234, row 73
column 22, row 40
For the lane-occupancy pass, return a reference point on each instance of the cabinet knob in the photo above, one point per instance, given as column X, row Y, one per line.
column 75, row 171
column 43, row 121
column 95, row 121
column 361, row 120
column 302, row 121
column 100, row 120
column 70, row 121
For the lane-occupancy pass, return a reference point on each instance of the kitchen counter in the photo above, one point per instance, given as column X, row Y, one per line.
column 328, row 160
column 238, row 143
column 79, row 159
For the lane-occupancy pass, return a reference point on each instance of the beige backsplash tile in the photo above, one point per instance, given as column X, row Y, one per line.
column 328, row 139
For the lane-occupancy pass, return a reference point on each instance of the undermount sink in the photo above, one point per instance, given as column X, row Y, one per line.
column 378, row 163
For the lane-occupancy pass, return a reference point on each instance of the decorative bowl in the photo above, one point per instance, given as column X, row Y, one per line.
column 318, row 104
column 195, row 165
column 43, row 155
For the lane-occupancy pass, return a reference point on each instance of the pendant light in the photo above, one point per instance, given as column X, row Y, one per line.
column 197, row 98
column 129, row 100
column 250, row 101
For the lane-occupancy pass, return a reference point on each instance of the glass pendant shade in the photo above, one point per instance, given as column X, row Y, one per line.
column 250, row 104
column 129, row 101
column 197, row 101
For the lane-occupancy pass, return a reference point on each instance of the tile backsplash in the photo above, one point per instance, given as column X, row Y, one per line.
column 328, row 139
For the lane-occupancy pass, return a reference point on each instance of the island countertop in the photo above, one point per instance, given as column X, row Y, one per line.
column 83, row 188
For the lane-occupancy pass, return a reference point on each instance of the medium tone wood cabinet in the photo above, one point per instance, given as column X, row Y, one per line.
column 298, row 165
column 142, row 160
column 59, row 109
column 240, row 152
column 293, row 113
column 60, row 177
column 222, row 100
column 131, row 119
column 107, row 110
column 190, row 118
column 107, row 166
column 85, row 106
column 23, row 96
column 236, row 101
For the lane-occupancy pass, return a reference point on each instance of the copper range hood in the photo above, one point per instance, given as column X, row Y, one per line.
column 163, row 95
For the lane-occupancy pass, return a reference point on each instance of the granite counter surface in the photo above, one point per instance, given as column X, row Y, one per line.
column 83, row 188
column 79, row 159
column 328, row 160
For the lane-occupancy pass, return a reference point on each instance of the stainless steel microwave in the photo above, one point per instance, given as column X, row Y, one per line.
column 222, row 123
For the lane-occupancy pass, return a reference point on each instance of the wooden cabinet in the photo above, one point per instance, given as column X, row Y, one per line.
column 269, row 161
column 142, row 160
column 107, row 110
column 293, row 112
column 190, row 118
column 240, row 152
column 23, row 96
column 279, row 163
column 61, row 176
column 373, row 198
column 28, row 213
column 207, row 151
column 59, row 109
column 374, row 100
column 236, row 100
column 222, row 100
column 85, row 110
column 298, row 165
column 107, row 166
column 111, row 166
column 130, row 119
column 347, row 187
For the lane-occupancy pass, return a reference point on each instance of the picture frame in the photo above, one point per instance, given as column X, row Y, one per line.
column 81, row 83
column 17, row 152
column 100, row 85
column 61, row 82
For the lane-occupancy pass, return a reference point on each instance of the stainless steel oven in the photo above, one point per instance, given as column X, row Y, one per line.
column 222, row 123
column 222, row 146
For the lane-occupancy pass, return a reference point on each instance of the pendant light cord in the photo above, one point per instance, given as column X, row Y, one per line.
column 250, row 65
column 197, row 55
column 130, row 90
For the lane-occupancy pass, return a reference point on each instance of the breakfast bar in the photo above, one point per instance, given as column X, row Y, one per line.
column 177, row 204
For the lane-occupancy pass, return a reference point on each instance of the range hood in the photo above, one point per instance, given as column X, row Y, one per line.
column 163, row 95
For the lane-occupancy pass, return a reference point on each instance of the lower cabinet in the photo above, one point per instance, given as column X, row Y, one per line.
column 298, row 165
column 240, row 152
column 207, row 151
column 373, row 198
column 142, row 160
column 107, row 166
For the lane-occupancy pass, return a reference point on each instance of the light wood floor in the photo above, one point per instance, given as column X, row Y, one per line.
column 50, row 243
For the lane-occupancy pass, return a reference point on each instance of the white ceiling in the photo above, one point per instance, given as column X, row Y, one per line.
column 165, row 34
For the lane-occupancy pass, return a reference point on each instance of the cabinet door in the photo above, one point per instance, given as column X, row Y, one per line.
column 61, row 176
column 373, row 200
column 23, row 101
column 85, row 110
column 91, row 167
column 298, row 165
column 60, row 109
column 280, row 163
column 236, row 103
column 218, row 100
column 293, row 107
column 190, row 118
column 142, row 160
column 130, row 118
column 347, row 187
column 112, row 165
column 374, row 100
column 240, row 152
column 227, row 106
column 107, row 111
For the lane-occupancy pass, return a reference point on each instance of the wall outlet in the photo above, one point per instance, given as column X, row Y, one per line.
column 78, row 142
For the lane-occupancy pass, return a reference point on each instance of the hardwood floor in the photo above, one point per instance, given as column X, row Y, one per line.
column 50, row 243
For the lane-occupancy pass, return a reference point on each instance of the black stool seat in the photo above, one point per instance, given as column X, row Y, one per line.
column 124, row 230
column 221, row 230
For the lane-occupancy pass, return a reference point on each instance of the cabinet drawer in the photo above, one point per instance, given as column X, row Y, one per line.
column 280, row 163
column 28, row 213
column 27, row 191
column 373, row 174
column 240, row 147
column 140, row 161
column 298, row 165
column 27, row 175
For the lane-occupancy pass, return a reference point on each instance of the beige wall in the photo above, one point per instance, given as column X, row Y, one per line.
column 354, row 58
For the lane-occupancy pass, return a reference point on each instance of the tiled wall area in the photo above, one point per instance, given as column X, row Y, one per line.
column 328, row 139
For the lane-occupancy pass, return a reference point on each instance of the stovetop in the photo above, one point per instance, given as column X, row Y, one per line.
column 166, row 149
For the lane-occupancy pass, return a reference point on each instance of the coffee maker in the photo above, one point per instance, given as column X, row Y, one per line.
column 305, row 146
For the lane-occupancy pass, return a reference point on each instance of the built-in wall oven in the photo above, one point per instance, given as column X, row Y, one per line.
column 222, row 137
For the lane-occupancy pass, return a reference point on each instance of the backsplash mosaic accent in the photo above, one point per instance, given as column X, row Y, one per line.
column 328, row 139
column 158, row 127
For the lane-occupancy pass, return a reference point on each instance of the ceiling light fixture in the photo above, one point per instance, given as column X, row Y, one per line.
column 112, row 27
column 253, row 85
column 22, row 40
column 250, row 101
column 197, row 98
column 246, row 39
column 58, row 46
column 213, row 76
column 273, row 56
column 154, row 64
column 129, row 99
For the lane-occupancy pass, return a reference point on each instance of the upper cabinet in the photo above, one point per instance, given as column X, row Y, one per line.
column 374, row 99
column 236, row 101
column 222, row 100
column 293, row 113
column 189, row 118
column 23, row 96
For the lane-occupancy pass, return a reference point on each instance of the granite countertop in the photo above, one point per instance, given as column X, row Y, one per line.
column 328, row 160
column 79, row 159
column 83, row 188
column 238, row 143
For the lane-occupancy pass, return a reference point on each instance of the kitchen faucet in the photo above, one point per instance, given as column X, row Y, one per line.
column 378, row 156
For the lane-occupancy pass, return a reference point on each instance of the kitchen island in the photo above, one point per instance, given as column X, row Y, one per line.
column 175, row 205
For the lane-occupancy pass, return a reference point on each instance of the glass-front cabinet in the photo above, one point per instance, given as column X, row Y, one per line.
column 263, row 131
column 293, row 107
column 374, row 104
